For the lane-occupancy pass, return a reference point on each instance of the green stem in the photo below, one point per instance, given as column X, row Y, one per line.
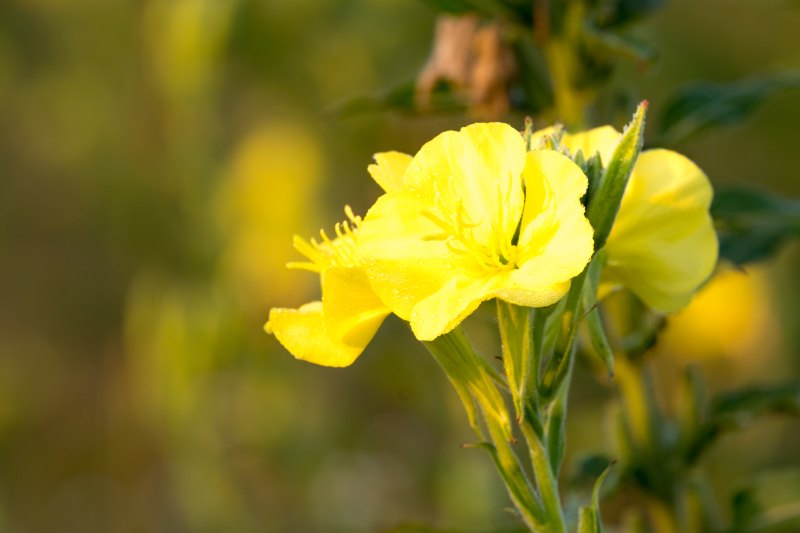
column 470, row 376
column 546, row 477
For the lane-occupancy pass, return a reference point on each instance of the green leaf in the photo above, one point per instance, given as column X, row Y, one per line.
column 443, row 99
column 753, row 224
column 469, row 374
column 602, row 210
column 534, row 92
column 737, row 409
column 769, row 503
column 589, row 519
column 612, row 44
column 617, row 12
column 588, row 468
column 702, row 105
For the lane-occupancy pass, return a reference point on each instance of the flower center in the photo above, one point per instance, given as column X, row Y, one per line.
column 468, row 238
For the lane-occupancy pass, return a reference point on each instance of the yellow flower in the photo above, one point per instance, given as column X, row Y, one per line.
column 711, row 326
column 334, row 331
column 474, row 217
column 663, row 245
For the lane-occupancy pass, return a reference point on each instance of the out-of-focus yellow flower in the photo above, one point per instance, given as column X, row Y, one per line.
column 266, row 191
column 334, row 331
column 663, row 245
column 476, row 217
column 730, row 316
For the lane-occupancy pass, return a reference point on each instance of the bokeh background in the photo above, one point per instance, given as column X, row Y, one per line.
column 156, row 157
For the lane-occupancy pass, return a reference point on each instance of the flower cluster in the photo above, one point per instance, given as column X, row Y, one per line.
column 487, row 213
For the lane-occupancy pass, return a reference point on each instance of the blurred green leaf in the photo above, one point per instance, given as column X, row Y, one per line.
column 401, row 98
column 613, row 44
column 588, row 468
column 589, row 520
column 618, row 12
column 769, row 503
column 535, row 92
column 753, row 224
column 703, row 105
column 735, row 410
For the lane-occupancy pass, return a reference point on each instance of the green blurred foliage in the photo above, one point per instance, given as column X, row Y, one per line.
column 157, row 156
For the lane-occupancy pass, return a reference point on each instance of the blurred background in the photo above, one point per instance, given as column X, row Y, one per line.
column 156, row 157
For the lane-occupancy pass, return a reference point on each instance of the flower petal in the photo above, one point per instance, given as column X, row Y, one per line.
column 389, row 169
column 402, row 265
column 555, row 237
column 528, row 287
column 602, row 140
column 476, row 170
column 663, row 244
column 443, row 310
column 352, row 312
column 301, row 331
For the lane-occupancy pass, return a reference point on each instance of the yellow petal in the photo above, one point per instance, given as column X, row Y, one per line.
column 476, row 170
column 602, row 140
column 389, row 169
column 555, row 238
column 663, row 244
column 443, row 310
column 301, row 331
column 402, row 265
column 532, row 286
column 352, row 312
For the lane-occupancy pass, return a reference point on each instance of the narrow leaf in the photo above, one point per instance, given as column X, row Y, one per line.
column 589, row 519
column 753, row 224
column 402, row 99
column 737, row 409
column 703, row 105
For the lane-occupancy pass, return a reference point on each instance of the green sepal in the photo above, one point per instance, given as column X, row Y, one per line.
column 571, row 316
column 599, row 341
column 603, row 208
column 468, row 373
column 594, row 321
column 593, row 168
column 515, row 323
